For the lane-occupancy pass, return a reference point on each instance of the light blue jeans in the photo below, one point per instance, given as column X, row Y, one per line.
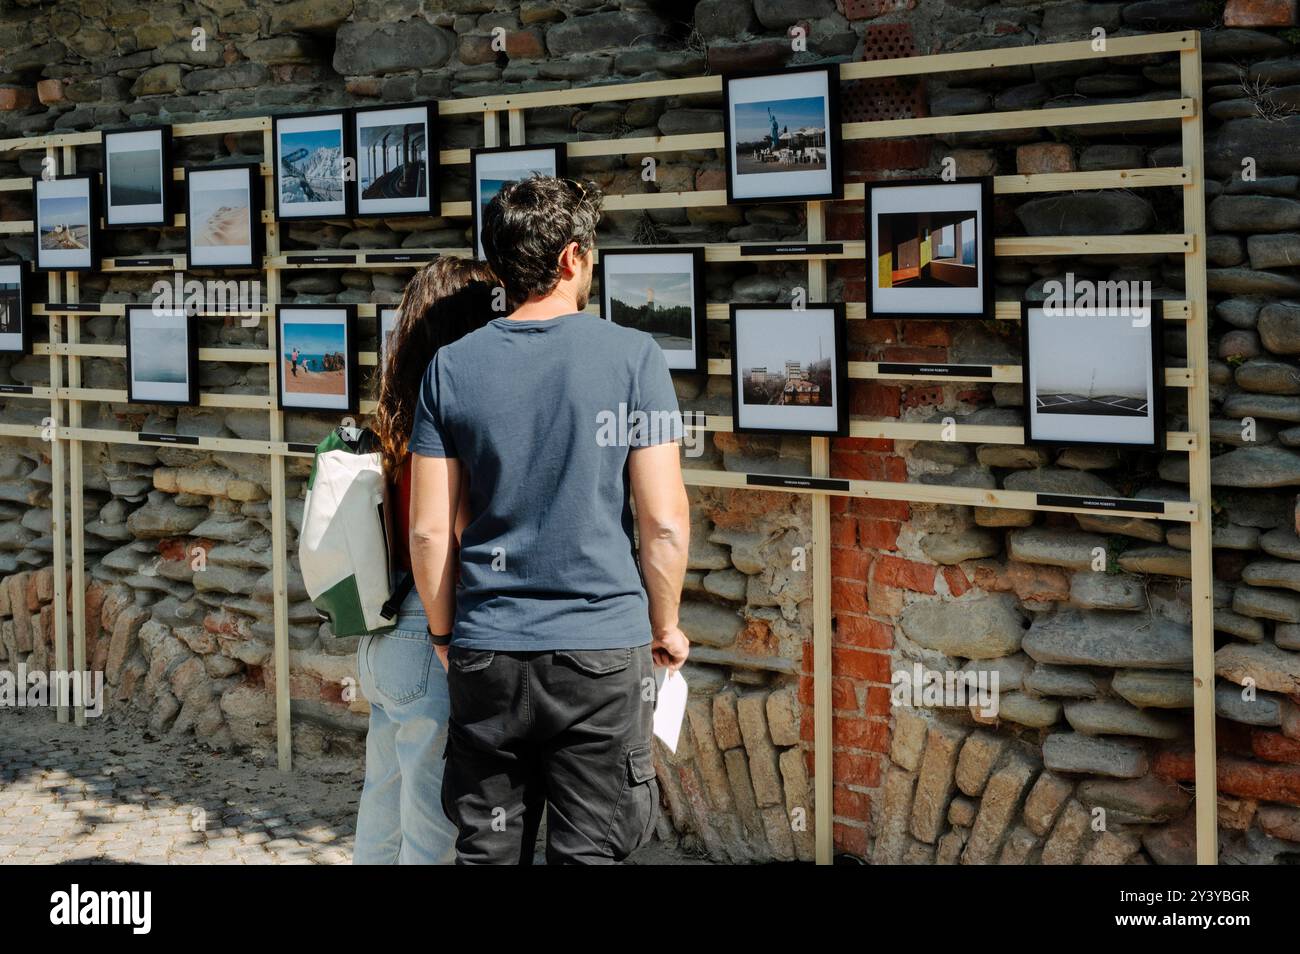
column 400, row 819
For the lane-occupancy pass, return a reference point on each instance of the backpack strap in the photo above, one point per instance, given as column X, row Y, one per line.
column 399, row 594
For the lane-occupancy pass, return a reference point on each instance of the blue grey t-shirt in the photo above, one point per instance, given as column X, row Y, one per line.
column 542, row 415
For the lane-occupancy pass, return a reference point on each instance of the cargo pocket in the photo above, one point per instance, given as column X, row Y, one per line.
column 634, row 814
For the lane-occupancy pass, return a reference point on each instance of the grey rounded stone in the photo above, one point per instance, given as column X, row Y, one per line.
column 1117, row 640
column 961, row 545
column 1266, row 604
column 1272, row 407
column 1263, row 710
column 362, row 48
column 1279, row 327
column 1088, row 213
column 1154, row 689
column 981, row 628
column 1266, row 376
column 1113, row 717
column 1274, row 251
column 1091, row 755
column 1239, row 312
column 1253, row 213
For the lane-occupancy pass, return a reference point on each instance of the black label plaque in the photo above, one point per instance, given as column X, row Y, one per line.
column 795, row 248
column 58, row 307
column 319, row 259
column 1101, row 503
column 799, row 483
column 399, row 257
column 938, row 370
column 152, row 262
column 166, row 438
column 15, row 389
column 302, row 448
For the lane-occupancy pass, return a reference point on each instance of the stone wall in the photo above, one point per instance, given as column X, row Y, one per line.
column 1095, row 709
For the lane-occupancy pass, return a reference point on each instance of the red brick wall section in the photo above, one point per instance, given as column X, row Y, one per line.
column 867, row 578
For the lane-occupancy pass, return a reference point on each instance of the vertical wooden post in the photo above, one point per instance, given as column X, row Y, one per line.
column 1198, row 413
column 279, row 529
column 76, row 453
column 823, row 756
column 491, row 130
column 58, row 476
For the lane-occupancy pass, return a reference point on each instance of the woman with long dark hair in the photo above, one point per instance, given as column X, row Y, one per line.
column 400, row 819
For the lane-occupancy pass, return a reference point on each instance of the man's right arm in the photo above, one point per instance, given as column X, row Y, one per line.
column 664, row 529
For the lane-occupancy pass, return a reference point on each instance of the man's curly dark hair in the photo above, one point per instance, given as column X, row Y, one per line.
column 528, row 224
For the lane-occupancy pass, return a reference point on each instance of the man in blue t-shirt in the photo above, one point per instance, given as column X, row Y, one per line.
column 551, row 421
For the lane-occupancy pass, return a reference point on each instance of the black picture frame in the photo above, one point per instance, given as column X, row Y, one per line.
column 253, row 172
column 985, row 298
column 699, row 352
column 381, row 347
column 839, row 370
column 834, row 150
column 476, row 155
column 168, row 208
column 88, row 186
column 1155, row 401
column 345, row 130
column 191, row 325
column 431, row 200
column 349, row 322
column 23, row 336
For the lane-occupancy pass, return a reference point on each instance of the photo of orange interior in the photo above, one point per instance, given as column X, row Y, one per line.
column 928, row 249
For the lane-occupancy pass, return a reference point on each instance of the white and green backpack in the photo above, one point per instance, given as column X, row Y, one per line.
column 343, row 547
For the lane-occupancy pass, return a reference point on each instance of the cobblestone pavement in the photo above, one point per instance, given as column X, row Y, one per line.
column 105, row 794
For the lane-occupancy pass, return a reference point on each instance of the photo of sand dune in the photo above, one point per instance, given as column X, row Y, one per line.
column 65, row 222
column 219, row 217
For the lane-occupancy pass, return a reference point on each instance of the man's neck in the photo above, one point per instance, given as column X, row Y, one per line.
column 558, row 302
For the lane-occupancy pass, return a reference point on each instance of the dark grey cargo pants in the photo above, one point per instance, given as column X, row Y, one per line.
column 568, row 731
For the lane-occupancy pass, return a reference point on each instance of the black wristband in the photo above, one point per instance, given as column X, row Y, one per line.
column 438, row 640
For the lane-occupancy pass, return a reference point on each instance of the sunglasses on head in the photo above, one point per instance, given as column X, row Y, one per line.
column 577, row 188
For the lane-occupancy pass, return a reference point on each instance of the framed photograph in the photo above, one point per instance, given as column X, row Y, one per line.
column 137, row 176
column 15, row 324
column 789, row 371
column 932, row 244
column 309, row 153
column 490, row 169
column 1093, row 375
column 223, row 226
column 659, row 291
column 65, row 224
column 782, row 135
column 318, row 357
column 394, row 173
column 162, row 356
column 387, row 324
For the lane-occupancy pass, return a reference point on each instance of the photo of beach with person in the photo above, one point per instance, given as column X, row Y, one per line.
column 314, row 356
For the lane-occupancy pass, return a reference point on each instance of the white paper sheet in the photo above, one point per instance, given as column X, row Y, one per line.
column 670, row 706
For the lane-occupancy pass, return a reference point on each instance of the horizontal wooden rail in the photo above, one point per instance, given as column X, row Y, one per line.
column 999, row 374
column 1022, row 119
column 1180, row 511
